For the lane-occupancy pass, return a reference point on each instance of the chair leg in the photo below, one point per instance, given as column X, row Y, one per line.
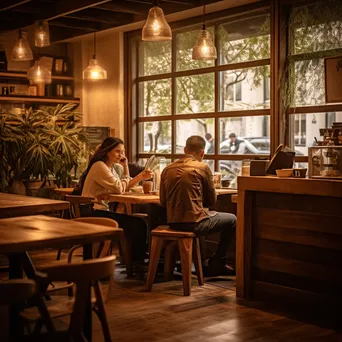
column 126, row 245
column 169, row 260
column 110, row 287
column 156, row 247
column 59, row 252
column 185, row 249
column 198, row 261
column 101, row 312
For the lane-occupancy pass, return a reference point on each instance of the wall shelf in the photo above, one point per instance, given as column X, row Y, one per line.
column 22, row 75
column 38, row 99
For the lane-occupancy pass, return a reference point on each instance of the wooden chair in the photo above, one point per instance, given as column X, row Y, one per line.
column 16, row 290
column 85, row 275
column 186, row 241
column 75, row 203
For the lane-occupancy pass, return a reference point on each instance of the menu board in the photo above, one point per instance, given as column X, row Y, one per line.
column 95, row 135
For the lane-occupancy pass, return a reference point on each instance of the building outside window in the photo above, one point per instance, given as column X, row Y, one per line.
column 315, row 33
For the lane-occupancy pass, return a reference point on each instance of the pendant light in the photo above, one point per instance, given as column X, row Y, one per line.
column 156, row 28
column 94, row 71
column 39, row 74
column 204, row 48
column 22, row 50
column 42, row 34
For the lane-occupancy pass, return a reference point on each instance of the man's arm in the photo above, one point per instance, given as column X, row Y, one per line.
column 209, row 193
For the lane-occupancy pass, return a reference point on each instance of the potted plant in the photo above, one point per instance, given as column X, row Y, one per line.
column 38, row 145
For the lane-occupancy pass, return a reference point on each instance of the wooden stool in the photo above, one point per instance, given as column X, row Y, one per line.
column 185, row 241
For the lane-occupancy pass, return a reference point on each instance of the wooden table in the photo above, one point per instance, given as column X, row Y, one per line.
column 18, row 205
column 63, row 191
column 127, row 199
column 21, row 234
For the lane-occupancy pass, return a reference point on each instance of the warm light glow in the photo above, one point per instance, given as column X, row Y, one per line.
column 204, row 48
column 156, row 27
column 39, row 74
column 42, row 34
column 21, row 50
column 94, row 71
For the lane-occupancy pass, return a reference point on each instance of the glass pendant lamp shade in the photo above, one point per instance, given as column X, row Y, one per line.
column 42, row 34
column 21, row 50
column 94, row 71
column 156, row 27
column 204, row 48
column 39, row 74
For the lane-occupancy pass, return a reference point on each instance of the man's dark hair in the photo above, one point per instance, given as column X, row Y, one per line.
column 232, row 135
column 208, row 136
column 195, row 143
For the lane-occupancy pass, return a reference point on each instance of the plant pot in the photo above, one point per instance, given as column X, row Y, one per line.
column 18, row 187
column 33, row 187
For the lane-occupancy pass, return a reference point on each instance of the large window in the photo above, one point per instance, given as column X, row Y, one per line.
column 315, row 33
column 226, row 101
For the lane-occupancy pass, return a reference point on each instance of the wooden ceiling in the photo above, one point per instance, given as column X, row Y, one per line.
column 72, row 18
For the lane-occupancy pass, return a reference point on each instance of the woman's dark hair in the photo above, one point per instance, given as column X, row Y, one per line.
column 100, row 155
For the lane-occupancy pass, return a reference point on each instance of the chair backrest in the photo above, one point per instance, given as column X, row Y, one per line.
column 75, row 202
column 16, row 290
column 102, row 221
column 82, row 272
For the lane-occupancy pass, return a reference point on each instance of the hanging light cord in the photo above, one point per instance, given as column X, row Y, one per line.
column 94, row 54
column 203, row 26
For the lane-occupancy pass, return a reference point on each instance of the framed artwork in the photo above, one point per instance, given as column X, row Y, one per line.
column 333, row 79
column 32, row 90
column 58, row 65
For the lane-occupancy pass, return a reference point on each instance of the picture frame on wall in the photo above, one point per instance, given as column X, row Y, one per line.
column 32, row 90
column 333, row 79
column 58, row 65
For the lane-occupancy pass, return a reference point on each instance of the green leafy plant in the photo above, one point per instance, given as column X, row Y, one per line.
column 40, row 143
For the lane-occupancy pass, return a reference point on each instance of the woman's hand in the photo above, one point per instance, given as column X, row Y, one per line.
column 123, row 161
column 146, row 174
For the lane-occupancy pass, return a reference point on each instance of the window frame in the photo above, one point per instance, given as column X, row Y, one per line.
column 216, row 19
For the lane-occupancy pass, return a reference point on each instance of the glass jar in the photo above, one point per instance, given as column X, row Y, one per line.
column 245, row 167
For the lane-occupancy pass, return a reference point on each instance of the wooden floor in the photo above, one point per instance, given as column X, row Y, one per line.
column 210, row 314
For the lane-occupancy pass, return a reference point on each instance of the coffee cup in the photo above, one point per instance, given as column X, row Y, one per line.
column 299, row 173
column 147, row 187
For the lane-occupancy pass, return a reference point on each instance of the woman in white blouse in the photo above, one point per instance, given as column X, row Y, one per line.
column 108, row 172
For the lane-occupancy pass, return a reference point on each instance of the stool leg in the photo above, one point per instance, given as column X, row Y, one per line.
column 185, row 249
column 169, row 260
column 198, row 261
column 156, row 247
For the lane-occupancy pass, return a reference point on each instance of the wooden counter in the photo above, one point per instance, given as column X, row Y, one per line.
column 289, row 242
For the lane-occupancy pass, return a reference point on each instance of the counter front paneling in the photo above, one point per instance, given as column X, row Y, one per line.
column 289, row 241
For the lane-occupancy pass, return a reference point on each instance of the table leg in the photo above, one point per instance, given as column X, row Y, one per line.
column 87, row 329
column 15, row 271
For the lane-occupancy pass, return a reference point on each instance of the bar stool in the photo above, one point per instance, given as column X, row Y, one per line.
column 186, row 241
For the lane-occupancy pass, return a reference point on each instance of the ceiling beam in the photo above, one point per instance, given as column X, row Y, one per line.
column 51, row 11
column 67, row 7
column 124, row 7
column 9, row 4
column 106, row 17
column 77, row 24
